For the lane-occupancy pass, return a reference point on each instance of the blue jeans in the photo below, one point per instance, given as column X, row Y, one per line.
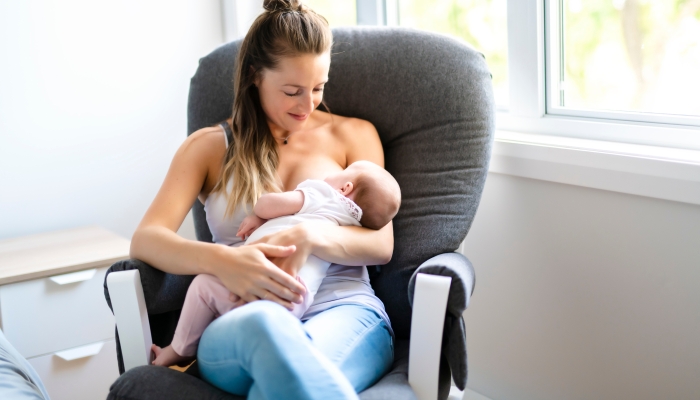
column 262, row 351
column 18, row 380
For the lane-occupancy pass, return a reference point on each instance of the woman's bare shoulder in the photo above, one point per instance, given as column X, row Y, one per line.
column 203, row 151
column 360, row 139
column 352, row 126
column 206, row 141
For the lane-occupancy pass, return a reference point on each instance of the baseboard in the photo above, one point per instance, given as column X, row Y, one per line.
column 468, row 394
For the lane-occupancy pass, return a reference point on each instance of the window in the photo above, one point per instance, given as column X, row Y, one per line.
column 625, row 59
column 482, row 23
column 337, row 12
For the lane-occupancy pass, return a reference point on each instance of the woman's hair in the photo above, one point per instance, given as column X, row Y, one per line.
column 286, row 28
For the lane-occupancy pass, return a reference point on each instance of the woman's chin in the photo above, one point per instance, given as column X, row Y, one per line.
column 295, row 126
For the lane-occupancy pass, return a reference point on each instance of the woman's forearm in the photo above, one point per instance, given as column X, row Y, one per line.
column 166, row 250
column 246, row 271
column 352, row 245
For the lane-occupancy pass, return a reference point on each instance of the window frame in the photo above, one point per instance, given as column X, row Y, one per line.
column 529, row 52
column 554, row 61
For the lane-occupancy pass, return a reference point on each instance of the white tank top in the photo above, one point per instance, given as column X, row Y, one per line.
column 342, row 284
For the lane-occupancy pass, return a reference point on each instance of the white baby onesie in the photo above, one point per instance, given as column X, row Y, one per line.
column 322, row 204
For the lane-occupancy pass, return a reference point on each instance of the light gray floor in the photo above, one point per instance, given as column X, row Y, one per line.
column 456, row 394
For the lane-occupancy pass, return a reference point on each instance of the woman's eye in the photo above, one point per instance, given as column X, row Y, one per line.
column 318, row 90
column 291, row 94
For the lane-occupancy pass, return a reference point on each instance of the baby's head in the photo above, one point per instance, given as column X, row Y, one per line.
column 372, row 188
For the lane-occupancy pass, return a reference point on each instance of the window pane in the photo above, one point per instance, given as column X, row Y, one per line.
column 482, row 23
column 337, row 12
column 630, row 55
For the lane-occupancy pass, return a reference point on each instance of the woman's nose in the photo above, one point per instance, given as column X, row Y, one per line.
column 308, row 104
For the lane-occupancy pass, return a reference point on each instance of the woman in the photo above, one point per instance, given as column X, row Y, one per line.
column 280, row 139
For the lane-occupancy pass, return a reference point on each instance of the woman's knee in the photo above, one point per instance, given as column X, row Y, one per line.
column 257, row 318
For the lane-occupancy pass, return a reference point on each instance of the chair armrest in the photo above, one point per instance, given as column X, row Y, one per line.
column 451, row 330
column 163, row 292
column 427, row 321
column 162, row 297
column 131, row 316
column 457, row 267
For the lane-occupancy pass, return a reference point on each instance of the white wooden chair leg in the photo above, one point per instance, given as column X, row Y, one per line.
column 428, row 318
column 129, row 308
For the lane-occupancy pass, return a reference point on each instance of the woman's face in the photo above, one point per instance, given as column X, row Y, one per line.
column 292, row 91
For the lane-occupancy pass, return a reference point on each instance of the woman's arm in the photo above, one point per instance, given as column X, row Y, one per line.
column 155, row 240
column 245, row 271
column 352, row 245
column 346, row 245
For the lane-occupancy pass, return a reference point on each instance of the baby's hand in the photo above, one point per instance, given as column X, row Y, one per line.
column 249, row 225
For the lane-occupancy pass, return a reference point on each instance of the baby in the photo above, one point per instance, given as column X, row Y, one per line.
column 364, row 194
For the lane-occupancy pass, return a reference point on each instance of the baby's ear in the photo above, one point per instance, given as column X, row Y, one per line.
column 347, row 188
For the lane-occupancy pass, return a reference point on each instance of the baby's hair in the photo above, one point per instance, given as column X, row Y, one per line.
column 378, row 195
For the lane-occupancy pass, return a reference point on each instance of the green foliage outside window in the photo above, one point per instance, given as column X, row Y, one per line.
column 637, row 55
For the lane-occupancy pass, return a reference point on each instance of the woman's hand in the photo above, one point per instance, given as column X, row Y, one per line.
column 300, row 236
column 249, row 274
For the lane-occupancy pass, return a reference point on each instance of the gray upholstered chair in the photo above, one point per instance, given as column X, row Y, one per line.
column 430, row 98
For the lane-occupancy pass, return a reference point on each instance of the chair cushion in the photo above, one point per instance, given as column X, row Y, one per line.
column 394, row 385
column 430, row 98
column 151, row 382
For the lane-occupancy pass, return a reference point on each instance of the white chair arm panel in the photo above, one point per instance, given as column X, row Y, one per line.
column 129, row 306
column 428, row 318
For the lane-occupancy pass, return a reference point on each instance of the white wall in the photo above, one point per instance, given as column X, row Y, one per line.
column 93, row 102
column 583, row 294
column 238, row 16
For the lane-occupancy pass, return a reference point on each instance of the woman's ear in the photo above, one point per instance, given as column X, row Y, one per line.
column 346, row 189
column 254, row 74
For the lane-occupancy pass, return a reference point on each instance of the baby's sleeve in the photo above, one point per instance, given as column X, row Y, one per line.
column 313, row 196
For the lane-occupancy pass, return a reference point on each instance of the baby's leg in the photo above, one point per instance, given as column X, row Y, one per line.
column 307, row 299
column 207, row 298
column 310, row 275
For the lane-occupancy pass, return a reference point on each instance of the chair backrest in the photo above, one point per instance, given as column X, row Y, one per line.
column 431, row 100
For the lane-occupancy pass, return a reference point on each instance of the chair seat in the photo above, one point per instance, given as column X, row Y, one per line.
column 150, row 382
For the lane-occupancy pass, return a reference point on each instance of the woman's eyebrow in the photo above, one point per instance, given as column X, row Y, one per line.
column 302, row 86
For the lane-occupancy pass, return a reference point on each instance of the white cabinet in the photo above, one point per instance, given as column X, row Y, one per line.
column 41, row 316
column 84, row 378
column 53, row 310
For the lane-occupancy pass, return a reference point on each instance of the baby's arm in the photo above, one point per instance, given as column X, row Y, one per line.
column 273, row 205
column 249, row 225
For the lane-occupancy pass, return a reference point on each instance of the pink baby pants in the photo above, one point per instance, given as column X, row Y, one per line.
column 207, row 299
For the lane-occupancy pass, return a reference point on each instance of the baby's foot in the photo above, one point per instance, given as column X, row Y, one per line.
column 167, row 356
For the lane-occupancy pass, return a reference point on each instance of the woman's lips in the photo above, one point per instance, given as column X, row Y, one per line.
column 299, row 117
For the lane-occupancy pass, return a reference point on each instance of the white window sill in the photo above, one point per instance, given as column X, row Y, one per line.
column 658, row 172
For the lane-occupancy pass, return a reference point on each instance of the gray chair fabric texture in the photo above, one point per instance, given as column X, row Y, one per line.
column 431, row 100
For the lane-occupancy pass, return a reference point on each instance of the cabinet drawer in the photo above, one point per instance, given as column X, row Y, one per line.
column 84, row 378
column 47, row 315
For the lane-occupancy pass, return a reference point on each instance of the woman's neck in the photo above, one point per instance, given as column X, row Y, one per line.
column 277, row 131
